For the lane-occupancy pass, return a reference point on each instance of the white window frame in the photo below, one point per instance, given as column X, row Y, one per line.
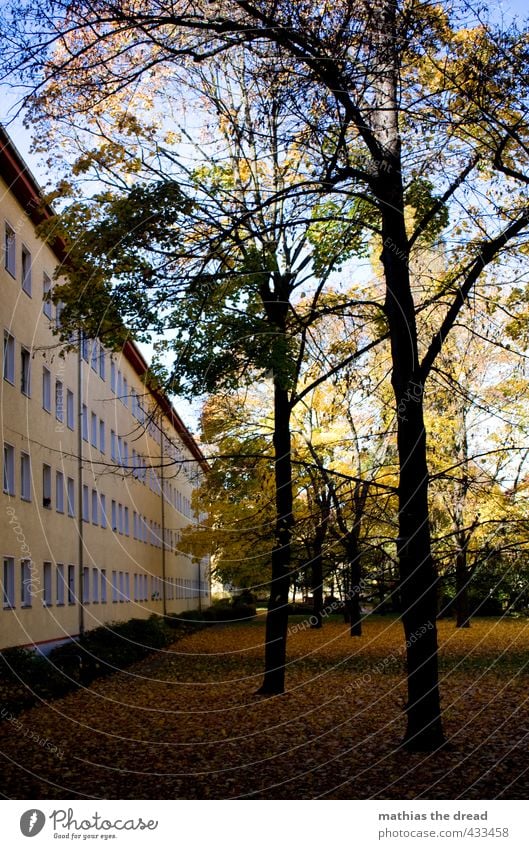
column 26, row 270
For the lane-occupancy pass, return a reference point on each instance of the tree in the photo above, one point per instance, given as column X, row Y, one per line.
column 366, row 80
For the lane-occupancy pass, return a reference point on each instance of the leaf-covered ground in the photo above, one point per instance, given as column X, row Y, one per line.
column 186, row 723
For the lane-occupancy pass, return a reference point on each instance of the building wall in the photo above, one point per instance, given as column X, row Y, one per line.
column 125, row 464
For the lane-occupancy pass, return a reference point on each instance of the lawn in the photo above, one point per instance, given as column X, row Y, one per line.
column 185, row 723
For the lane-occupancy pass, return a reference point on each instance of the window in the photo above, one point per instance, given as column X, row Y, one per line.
column 95, row 585
column 26, row 271
column 103, row 511
column 126, row 517
column 127, row 586
column 46, row 486
column 58, row 312
column 59, row 401
column 112, row 375
column 46, row 389
column 71, row 584
column 120, row 450
column 95, row 506
column 121, row 587
column 9, row 357
column 25, row 583
column 59, row 492
column 114, row 585
column 120, row 518
column 25, row 371
column 86, row 517
column 103, row 586
column 102, row 362
column 120, row 385
column 84, row 347
column 70, row 417
column 70, row 493
column 60, row 583
column 85, row 422
column 125, row 397
column 8, row 585
column 101, row 436
column 86, row 585
column 47, row 306
column 46, row 581
column 25, row 476
column 95, row 355
column 9, row 250
column 114, row 516
column 93, row 429
column 113, row 455
column 9, row 469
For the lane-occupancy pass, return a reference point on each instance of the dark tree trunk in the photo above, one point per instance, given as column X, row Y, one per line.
column 277, row 618
column 462, row 580
column 354, row 611
column 317, row 588
column 418, row 580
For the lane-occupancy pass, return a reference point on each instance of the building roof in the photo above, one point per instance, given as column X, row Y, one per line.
column 27, row 191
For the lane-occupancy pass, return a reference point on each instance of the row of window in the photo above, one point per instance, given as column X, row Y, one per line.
column 96, row 586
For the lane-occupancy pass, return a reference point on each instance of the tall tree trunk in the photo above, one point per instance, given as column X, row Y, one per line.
column 418, row 580
column 317, row 585
column 277, row 617
column 462, row 580
column 354, row 610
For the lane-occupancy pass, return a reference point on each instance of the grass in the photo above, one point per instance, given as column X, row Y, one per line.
column 186, row 723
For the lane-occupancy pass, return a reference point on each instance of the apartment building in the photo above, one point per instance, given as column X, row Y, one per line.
column 98, row 471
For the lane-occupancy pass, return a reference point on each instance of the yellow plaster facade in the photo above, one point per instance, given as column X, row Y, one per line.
column 92, row 541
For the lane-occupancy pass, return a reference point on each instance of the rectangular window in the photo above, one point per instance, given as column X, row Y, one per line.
column 46, row 389
column 25, row 371
column 114, row 585
column 59, row 492
column 84, row 347
column 103, row 511
column 86, row 516
column 102, row 362
column 94, row 357
column 60, row 583
column 95, row 585
column 95, row 506
column 59, row 401
column 25, row 583
column 125, row 396
column 47, row 598
column 103, row 586
column 93, row 429
column 102, row 436
column 71, row 584
column 8, row 585
column 46, row 486
column 120, row 518
column 121, row 587
column 70, row 494
column 58, row 312
column 26, row 271
column 10, row 250
column 85, row 422
column 126, row 518
column 112, row 375
column 9, row 469
column 114, row 516
column 47, row 306
column 119, row 387
column 113, row 454
column 70, row 416
column 127, row 586
column 86, row 585
column 25, row 476
column 9, row 357
column 120, row 450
